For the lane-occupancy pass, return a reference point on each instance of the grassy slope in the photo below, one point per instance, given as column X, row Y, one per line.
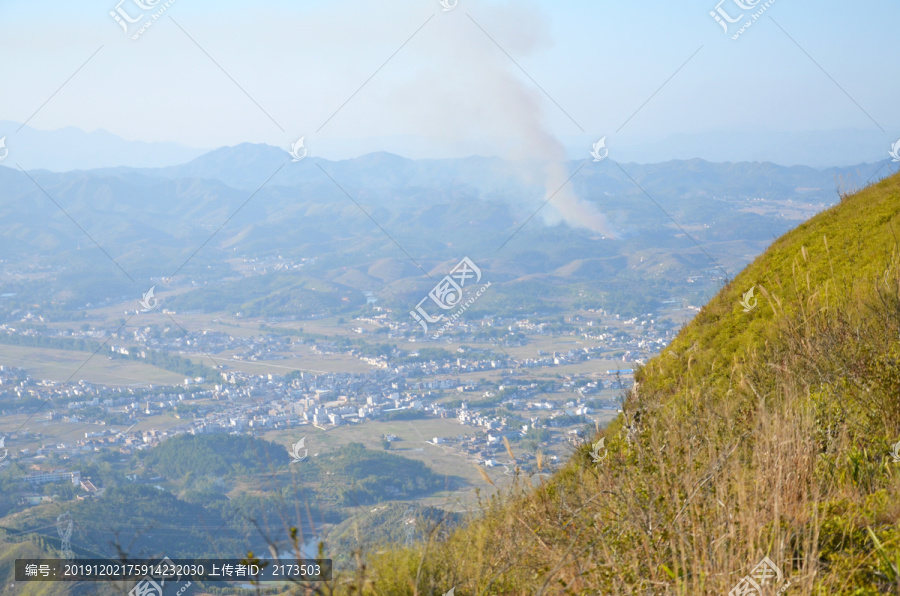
column 844, row 246
column 754, row 434
column 16, row 546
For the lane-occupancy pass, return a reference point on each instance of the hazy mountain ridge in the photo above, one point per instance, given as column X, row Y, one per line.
column 71, row 148
column 248, row 165
column 151, row 221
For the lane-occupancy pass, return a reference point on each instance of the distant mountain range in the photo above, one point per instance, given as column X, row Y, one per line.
column 821, row 149
column 373, row 221
column 71, row 148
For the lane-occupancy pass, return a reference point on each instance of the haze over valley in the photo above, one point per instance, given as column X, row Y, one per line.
column 449, row 298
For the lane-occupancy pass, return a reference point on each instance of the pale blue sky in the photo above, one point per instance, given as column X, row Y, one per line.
column 450, row 91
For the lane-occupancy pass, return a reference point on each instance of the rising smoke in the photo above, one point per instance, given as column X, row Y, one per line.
column 470, row 94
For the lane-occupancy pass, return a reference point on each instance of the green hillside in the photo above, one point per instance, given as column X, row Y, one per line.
column 764, row 433
column 354, row 476
column 141, row 520
column 211, row 455
column 14, row 545
column 392, row 522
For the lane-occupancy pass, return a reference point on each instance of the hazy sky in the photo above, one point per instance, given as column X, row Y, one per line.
column 450, row 90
